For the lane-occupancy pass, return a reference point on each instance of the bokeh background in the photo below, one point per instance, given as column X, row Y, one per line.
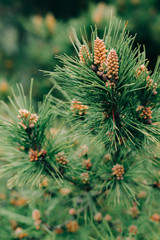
column 33, row 32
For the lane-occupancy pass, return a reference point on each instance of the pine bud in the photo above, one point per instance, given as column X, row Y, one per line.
column 85, row 178
column 13, row 224
column 84, row 54
column 44, row 182
column 78, row 108
column 65, row 191
column 58, row 230
column 50, row 22
column 134, row 211
column 20, row 233
column 36, row 214
column 72, row 211
column 154, row 93
column 112, row 65
column 98, row 217
column 142, row 69
column 132, row 230
column 83, row 150
column 27, row 118
column 118, row 170
column 142, row 194
column 33, row 155
column 87, row 163
column 72, row 226
column 108, row 218
column 155, row 217
column 4, row 86
column 99, row 53
column 62, row 158
column 107, row 157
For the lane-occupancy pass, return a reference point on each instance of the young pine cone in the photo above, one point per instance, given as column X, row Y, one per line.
column 98, row 217
column 112, row 65
column 99, row 53
column 85, row 178
column 118, row 170
column 36, row 214
column 134, row 211
column 19, row 233
column 33, row 155
column 132, row 229
column 87, row 163
column 72, row 226
column 142, row 68
column 145, row 112
column 84, row 54
column 78, row 108
column 62, row 158
column 58, row 230
column 155, row 217
column 27, row 117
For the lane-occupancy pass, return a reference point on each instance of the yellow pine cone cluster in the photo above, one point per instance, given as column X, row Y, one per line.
column 34, row 155
column 78, row 108
column 85, row 178
column 62, row 158
column 27, row 117
column 36, row 217
column 112, row 64
column 146, row 112
column 72, row 226
column 141, row 69
column 99, row 53
column 84, row 54
column 118, row 171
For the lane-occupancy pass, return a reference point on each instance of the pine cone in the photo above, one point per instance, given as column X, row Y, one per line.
column 87, row 163
column 112, row 65
column 99, row 53
column 132, row 229
column 98, row 217
column 84, row 54
column 62, row 158
column 78, row 108
column 145, row 112
column 36, row 214
column 118, row 170
column 33, row 155
column 155, row 217
column 72, row 226
column 142, row 68
column 85, row 178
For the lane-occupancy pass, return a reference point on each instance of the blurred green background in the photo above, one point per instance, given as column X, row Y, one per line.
column 33, row 32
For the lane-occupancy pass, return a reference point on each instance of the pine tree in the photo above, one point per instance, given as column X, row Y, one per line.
column 90, row 159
